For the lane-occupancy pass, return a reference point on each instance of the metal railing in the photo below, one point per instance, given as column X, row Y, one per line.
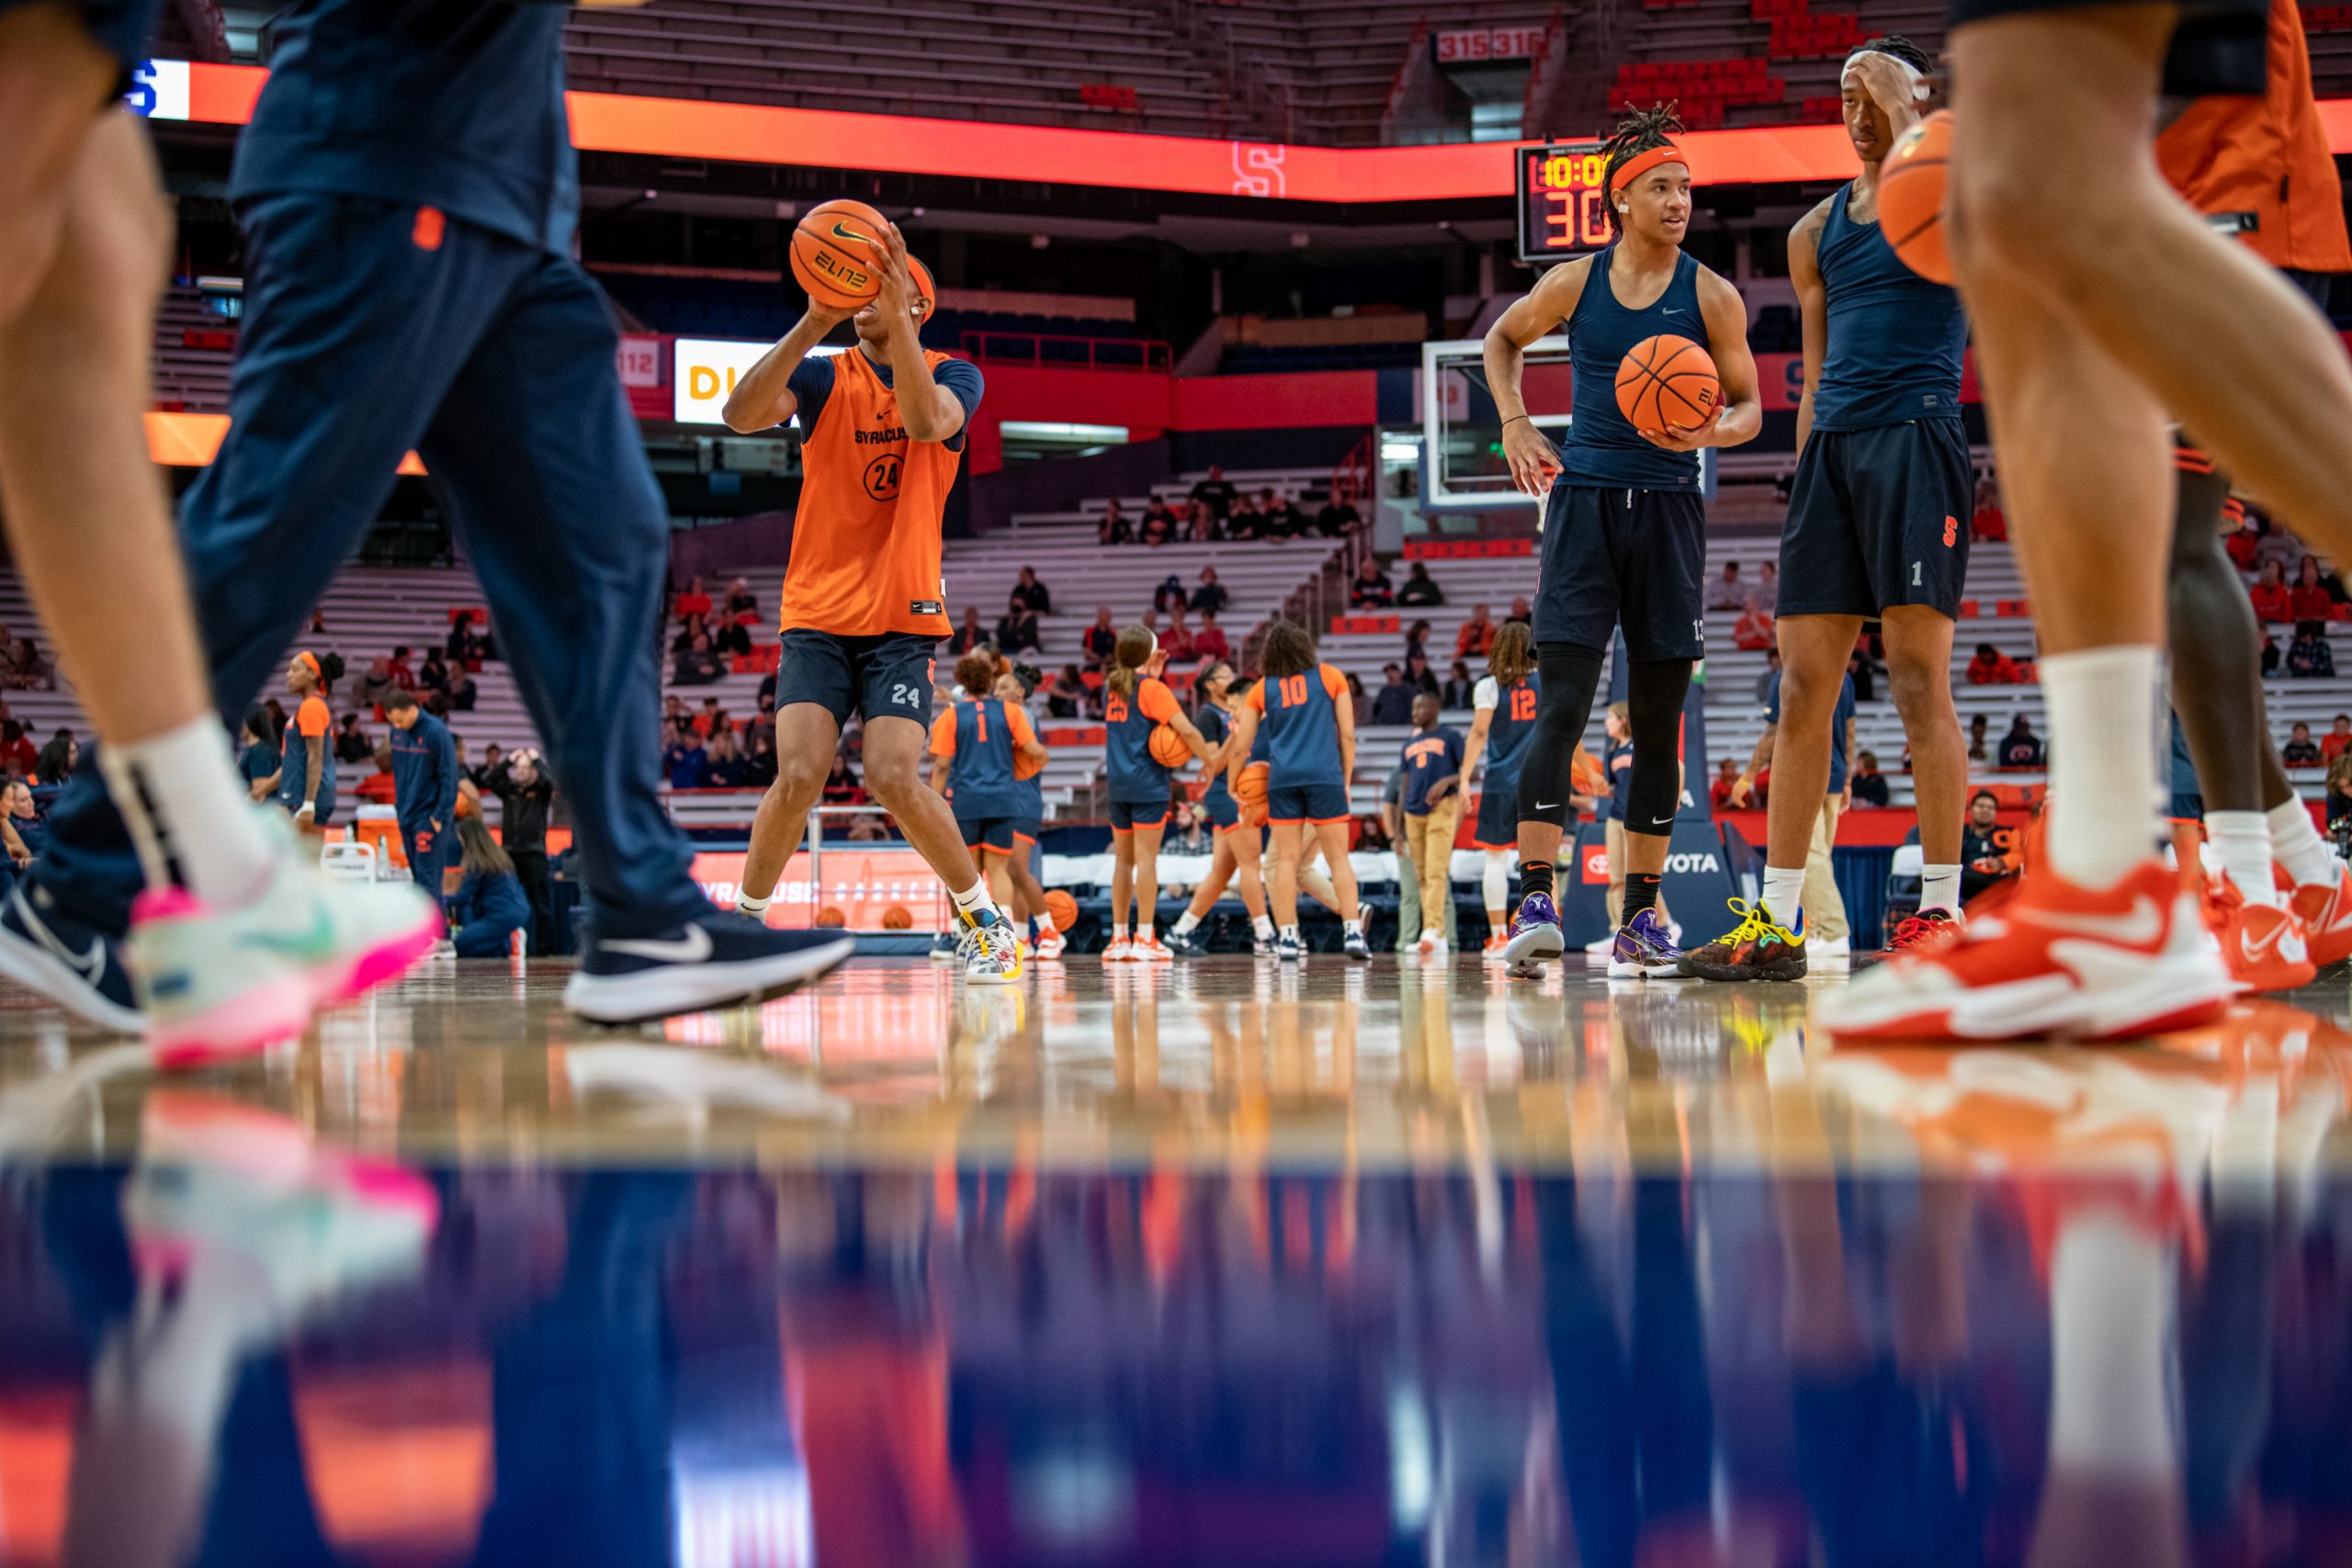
column 1068, row 351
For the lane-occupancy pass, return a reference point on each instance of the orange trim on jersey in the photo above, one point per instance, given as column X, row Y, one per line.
column 1335, row 681
column 943, row 733
column 1154, row 700
column 1257, row 697
column 313, row 717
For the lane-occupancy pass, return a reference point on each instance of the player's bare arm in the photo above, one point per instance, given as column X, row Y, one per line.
column 1740, row 413
column 1475, row 747
column 1237, row 751
column 1532, row 457
column 1812, row 305
column 928, row 411
column 763, row 396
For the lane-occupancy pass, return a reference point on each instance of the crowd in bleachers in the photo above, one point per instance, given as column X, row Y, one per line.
column 1216, row 509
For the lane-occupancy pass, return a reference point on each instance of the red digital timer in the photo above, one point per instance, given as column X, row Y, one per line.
column 1561, row 211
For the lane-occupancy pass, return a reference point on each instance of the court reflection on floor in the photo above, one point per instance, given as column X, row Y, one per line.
column 1760, row 1304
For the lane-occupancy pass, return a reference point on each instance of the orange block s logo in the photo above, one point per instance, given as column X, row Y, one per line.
column 430, row 227
column 1951, row 531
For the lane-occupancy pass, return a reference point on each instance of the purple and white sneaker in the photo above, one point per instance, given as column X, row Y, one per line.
column 1534, row 930
column 1644, row 950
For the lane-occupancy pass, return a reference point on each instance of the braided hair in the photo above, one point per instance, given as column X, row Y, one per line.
column 1902, row 49
column 1637, row 132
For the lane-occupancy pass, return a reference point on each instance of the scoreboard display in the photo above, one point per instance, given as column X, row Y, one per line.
column 1561, row 212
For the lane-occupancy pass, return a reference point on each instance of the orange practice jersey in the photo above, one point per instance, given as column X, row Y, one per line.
column 2267, row 158
column 865, row 546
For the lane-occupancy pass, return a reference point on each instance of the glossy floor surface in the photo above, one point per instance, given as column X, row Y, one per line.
column 1222, row 1265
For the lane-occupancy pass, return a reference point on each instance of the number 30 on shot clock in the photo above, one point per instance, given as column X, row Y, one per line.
column 1561, row 210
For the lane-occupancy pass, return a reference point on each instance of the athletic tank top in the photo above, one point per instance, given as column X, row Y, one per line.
column 1302, row 727
column 980, row 772
column 293, row 757
column 1508, row 733
column 1135, row 778
column 1602, row 447
column 1214, row 727
column 866, row 535
column 1895, row 339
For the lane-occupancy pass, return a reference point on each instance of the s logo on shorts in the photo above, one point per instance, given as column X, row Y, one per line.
column 1951, row 531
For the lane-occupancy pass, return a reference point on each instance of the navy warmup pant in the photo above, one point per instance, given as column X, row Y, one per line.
column 494, row 361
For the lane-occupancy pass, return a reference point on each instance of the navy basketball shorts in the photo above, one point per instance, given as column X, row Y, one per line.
column 2218, row 46
column 1498, row 825
column 1879, row 518
column 124, row 29
column 1025, row 831
column 1224, row 811
column 1126, row 816
column 1315, row 803
column 986, row 832
column 1617, row 557
column 886, row 676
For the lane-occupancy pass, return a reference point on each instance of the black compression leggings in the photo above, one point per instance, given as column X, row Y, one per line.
column 2216, row 661
column 1654, row 690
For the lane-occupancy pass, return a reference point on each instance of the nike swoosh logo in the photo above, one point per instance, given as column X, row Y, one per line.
column 2143, row 925
column 89, row 966
column 1547, row 805
column 841, row 231
column 320, row 937
column 2281, row 941
column 1660, row 821
column 692, row 949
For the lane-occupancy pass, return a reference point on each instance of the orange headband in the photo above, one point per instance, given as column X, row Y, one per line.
column 1642, row 162
column 311, row 662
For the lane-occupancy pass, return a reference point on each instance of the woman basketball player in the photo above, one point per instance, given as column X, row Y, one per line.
column 1134, row 705
column 1311, row 753
column 1622, row 529
column 1028, row 818
column 1237, row 846
column 975, row 748
column 1503, row 709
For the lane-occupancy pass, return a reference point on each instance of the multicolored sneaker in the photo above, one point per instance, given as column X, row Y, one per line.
column 1534, row 930
column 1924, row 932
column 217, row 982
column 1187, row 944
column 1644, row 950
column 2057, row 958
column 994, row 958
column 1758, row 948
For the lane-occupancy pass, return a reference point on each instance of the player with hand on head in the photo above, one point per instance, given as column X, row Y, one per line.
column 1623, row 523
column 883, row 427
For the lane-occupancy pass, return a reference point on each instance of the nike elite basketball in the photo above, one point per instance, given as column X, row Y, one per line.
column 837, row 253
column 1666, row 383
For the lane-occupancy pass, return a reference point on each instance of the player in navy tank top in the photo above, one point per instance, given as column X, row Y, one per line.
column 1301, row 710
column 1502, row 732
column 1624, row 544
column 1878, row 515
column 1236, row 844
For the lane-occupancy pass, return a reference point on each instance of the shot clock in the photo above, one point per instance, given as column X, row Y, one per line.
column 1561, row 212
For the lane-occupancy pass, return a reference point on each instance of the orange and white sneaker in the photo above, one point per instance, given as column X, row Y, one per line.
column 2054, row 959
column 1150, row 949
column 1120, row 950
column 1493, row 952
column 2326, row 913
column 2265, row 947
column 1051, row 946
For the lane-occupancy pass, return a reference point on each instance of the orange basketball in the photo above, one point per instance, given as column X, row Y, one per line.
column 1062, row 908
column 896, row 919
column 1668, row 383
column 837, row 253
column 1167, row 748
column 1911, row 197
column 1022, row 768
column 1252, row 789
column 830, row 917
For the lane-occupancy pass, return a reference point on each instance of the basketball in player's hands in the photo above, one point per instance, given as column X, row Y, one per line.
column 1668, row 384
column 1167, row 748
column 838, row 253
column 1911, row 197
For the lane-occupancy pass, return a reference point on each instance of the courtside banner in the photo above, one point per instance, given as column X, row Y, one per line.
column 703, row 373
column 864, row 885
column 757, row 133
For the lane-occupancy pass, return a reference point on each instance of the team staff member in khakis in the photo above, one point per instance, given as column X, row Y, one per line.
column 1431, row 803
column 882, row 429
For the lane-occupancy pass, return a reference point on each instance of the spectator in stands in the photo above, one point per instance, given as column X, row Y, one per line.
column 403, row 673
column 730, row 639
column 465, row 645
column 1209, row 640
column 1243, row 522
column 2273, row 601
column 759, row 759
column 1176, row 643
column 1210, row 596
column 1170, row 595
column 1156, row 509
column 1100, row 638
column 1752, row 633
column 1197, row 523
column 1373, row 837
column 686, row 761
column 22, row 667
column 1032, row 594
column 2310, row 596
column 1729, row 593
column 1988, row 521
column 2339, row 792
column 493, row 759
column 1371, row 589
column 1019, row 631
column 374, row 685
column 318, row 620
column 1991, row 666
column 1394, row 702
column 2270, row 656
column 1980, row 745
column 1724, row 787
column 723, row 759
column 433, row 675
column 1216, row 492
column 1420, row 589
column 2020, row 748
column 56, row 760
column 841, row 787
column 689, row 628
column 378, row 788
column 2310, row 657
column 1114, row 529
column 2332, row 744
column 1771, row 673
column 1420, row 676
column 970, row 634
column 867, row 830
column 1065, row 692
column 16, row 755
column 693, row 603
column 1339, row 515
column 27, row 834
column 763, row 718
column 1867, row 783
column 1359, row 700
column 1155, row 531
column 2275, row 544
column 1864, row 671
column 742, row 605
column 352, row 743
column 1767, row 586
column 1417, row 639
column 462, row 693
column 699, row 665
column 1459, row 688
column 1476, row 635
column 2300, row 750
column 1520, row 613
column 1983, row 846
column 1187, row 835
column 1282, row 520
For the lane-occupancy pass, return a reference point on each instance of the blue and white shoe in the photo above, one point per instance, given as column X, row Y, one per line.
column 1262, row 946
column 1644, row 950
column 1356, row 948
column 705, row 960
column 1288, row 949
column 1534, row 930
column 77, row 967
column 947, row 947
column 1187, row 944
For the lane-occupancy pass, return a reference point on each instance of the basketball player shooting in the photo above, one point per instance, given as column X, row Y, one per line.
column 1623, row 528
column 882, row 431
